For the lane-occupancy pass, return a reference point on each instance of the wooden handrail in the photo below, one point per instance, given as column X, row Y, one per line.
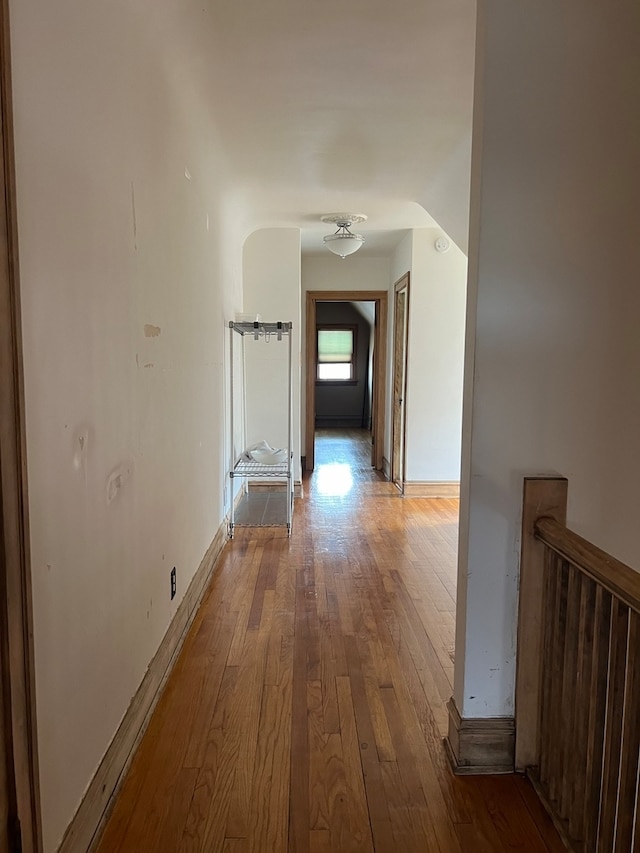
column 578, row 677
column 616, row 577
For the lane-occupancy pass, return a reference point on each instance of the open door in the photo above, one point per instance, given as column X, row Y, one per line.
column 400, row 337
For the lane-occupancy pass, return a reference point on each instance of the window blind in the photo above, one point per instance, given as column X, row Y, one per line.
column 335, row 346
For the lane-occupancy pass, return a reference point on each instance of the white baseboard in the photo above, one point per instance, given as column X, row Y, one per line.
column 480, row 746
column 83, row 832
column 425, row 489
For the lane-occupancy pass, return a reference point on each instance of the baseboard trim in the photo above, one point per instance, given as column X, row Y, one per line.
column 480, row 746
column 84, row 830
column 425, row 489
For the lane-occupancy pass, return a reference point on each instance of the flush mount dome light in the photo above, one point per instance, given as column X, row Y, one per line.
column 343, row 242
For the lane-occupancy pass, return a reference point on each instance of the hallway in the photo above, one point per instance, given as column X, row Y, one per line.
column 307, row 709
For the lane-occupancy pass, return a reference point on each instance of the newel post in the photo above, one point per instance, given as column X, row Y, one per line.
column 543, row 496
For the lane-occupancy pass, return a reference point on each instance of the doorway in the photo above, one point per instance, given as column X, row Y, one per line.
column 379, row 299
column 399, row 392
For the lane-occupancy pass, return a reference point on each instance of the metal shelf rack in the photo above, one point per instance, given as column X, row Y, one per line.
column 270, row 508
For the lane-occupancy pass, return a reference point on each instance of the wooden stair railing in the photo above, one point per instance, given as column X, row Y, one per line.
column 578, row 678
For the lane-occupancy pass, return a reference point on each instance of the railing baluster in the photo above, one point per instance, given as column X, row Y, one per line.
column 596, row 699
column 569, row 694
column 613, row 727
column 579, row 743
column 628, row 792
column 555, row 732
column 550, row 607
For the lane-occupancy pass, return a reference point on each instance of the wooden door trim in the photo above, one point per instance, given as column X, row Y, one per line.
column 18, row 674
column 402, row 283
column 380, row 297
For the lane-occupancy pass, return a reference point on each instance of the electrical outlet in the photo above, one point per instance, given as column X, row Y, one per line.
column 173, row 583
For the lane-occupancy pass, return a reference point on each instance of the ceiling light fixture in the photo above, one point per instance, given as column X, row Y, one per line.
column 344, row 242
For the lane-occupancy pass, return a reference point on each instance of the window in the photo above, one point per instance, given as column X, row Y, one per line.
column 336, row 353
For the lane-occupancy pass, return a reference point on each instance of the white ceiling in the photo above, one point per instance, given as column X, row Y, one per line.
column 362, row 106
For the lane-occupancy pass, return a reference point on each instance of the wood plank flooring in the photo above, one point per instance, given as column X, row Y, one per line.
column 306, row 711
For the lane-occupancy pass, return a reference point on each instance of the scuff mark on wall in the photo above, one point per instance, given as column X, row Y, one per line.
column 151, row 331
column 81, row 439
column 149, row 364
column 117, row 479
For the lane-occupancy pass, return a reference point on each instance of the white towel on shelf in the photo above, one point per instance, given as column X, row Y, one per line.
column 263, row 453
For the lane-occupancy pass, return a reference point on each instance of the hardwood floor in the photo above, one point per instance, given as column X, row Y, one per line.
column 306, row 711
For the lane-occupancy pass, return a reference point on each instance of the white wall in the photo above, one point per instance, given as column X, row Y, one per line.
column 433, row 402
column 271, row 268
column 553, row 351
column 124, row 218
column 329, row 272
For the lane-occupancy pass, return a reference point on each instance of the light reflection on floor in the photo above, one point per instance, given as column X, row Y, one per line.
column 334, row 480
